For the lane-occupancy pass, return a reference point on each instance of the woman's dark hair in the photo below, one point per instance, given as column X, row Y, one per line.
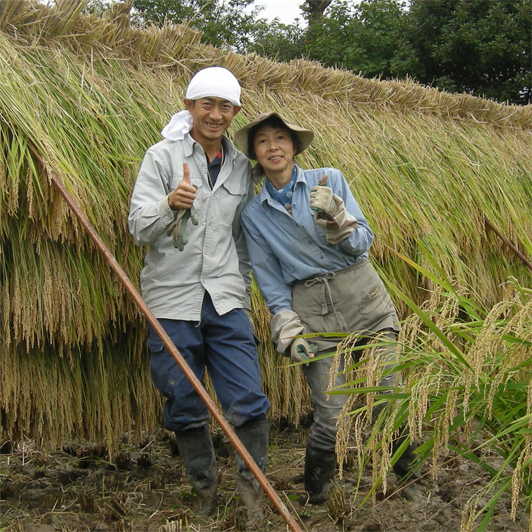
column 277, row 123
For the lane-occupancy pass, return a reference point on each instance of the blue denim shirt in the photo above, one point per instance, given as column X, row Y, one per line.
column 284, row 249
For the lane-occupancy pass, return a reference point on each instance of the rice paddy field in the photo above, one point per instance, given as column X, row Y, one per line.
column 445, row 181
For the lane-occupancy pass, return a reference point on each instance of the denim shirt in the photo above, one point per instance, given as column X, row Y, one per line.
column 215, row 259
column 284, row 249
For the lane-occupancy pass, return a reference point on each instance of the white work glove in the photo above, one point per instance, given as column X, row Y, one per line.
column 330, row 213
column 325, row 207
column 285, row 326
column 302, row 351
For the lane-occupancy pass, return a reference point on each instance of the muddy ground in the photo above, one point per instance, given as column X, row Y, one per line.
column 78, row 489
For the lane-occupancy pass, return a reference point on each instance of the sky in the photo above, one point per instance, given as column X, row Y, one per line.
column 285, row 10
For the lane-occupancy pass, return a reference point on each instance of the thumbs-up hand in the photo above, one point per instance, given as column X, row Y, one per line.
column 184, row 195
column 321, row 201
column 181, row 200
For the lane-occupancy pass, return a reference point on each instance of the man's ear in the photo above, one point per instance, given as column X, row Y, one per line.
column 236, row 110
column 189, row 104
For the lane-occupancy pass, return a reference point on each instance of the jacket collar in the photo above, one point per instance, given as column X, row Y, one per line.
column 189, row 142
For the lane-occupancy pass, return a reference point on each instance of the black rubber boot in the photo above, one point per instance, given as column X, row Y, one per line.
column 196, row 448
column 254, row 436
column 404, row 467
column 320, row 467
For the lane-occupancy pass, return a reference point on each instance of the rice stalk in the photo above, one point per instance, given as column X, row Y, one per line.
column 478, row 401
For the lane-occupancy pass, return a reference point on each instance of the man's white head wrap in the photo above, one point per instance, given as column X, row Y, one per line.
column 212, row 82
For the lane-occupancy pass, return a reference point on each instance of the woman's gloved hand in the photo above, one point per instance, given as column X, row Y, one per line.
column 302, row 351
column 326, row 205
column 330, row 212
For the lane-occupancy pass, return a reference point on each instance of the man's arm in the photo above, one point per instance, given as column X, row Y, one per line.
column 244, row 263
column 150, row 214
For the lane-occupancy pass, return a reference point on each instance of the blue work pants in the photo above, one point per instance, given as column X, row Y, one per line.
column 225, row 345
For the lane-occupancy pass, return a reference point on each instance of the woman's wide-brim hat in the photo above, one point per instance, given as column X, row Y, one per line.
column 305, row 136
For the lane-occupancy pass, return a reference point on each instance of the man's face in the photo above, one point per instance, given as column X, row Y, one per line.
column 212, row 117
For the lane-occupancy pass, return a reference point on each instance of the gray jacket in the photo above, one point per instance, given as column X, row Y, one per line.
column 215, row 258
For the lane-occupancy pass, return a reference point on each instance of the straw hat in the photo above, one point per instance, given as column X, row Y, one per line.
column 305, row 136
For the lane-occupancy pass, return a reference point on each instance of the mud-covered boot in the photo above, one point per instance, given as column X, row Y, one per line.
column 254, row 437
column 404, row 467
column 195, row 446
column 320, row 467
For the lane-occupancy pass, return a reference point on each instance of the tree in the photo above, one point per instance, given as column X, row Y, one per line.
column 223, row 23
column 477, row 46
column 369, row 38
column 279, row 42
column 314, row 9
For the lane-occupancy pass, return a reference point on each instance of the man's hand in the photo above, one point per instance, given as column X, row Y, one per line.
column 184, row 195
column 302, row 351
column 181, row 200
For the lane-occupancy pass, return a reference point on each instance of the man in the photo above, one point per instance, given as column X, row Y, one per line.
column 186, row 205
column 308, row 242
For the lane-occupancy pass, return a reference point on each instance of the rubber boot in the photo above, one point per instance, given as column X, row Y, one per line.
column 403, row 468
column 195, row 446
column 320, row 467
column 254, row 436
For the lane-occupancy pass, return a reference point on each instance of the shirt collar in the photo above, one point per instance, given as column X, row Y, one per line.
column 229, row 149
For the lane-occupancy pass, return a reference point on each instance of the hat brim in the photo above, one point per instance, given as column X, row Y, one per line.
column 305, row 136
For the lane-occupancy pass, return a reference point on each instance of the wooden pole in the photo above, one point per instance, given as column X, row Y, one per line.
column 526, row 262
column 172, row 349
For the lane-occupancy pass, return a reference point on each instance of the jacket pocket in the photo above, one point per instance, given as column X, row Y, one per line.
column 155, row 344
column 375, row 301
column 230, row 197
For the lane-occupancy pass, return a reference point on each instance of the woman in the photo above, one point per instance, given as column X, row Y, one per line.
column 308, row 243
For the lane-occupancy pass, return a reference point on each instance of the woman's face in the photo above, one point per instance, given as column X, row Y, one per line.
column 274, row 150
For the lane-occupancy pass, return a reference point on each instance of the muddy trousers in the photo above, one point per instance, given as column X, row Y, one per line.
column 320, row 458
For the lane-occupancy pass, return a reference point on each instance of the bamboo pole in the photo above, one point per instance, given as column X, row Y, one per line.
column 526, row 262
column 172, row 349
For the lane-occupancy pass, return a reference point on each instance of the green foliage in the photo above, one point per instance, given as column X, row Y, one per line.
column 477, row 46
column 280, row 42
column 369, row 38
column 465, row 391
column 223, row 23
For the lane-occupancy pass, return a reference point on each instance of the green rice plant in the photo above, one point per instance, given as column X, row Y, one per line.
column 466, row 388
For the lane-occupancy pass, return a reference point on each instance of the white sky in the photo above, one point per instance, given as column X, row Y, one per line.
column 285, row 10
